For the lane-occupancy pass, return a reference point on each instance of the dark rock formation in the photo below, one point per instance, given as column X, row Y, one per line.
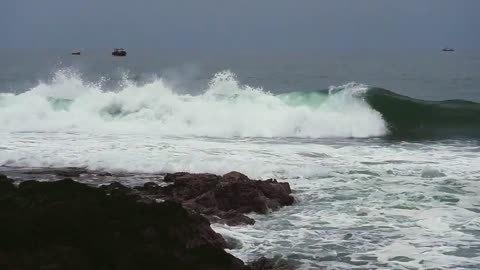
column 117, row 189
column 6, row 184
column 223, row 198
column 68, row 225
column 269, row 264
column 104, row 174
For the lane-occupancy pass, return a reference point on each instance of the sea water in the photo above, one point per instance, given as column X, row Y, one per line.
column 381, row 149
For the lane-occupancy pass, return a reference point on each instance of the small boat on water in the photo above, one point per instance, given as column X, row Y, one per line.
column 76, row 53
column 119, row 52
column 448, row 50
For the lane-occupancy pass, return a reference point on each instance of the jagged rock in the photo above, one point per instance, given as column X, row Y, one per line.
column 4, row 178
column 234, row 177
column 262, row 264
column 232, row 243
column 233, row 218
column 269, row 264
column 225, row 198
column 170, row 177
column 190, row 186
column 150, row 186
column 6, row 184
column 116, row 188
column 68, row 225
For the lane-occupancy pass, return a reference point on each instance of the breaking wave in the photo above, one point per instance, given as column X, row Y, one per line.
column 227, row 108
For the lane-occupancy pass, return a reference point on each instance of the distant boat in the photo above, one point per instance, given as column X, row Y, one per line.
column 448, row 50
column 119, row 52
column 75, row 53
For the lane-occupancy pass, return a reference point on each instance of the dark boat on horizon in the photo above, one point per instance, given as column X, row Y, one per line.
column 75, row 53
column 448, row 50
column 119, row 52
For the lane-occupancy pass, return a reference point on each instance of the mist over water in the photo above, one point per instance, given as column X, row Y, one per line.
column 384, row 176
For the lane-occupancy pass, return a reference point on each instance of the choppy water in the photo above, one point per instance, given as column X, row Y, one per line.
column 383, row 179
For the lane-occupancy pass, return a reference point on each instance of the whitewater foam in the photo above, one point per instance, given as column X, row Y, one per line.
column 350, row 209
column 225, row 109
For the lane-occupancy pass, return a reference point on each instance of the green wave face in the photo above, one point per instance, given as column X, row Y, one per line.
column 405, row 117
column 309, row 99
column 408, row 117
column 60, row 104
column 229, row 109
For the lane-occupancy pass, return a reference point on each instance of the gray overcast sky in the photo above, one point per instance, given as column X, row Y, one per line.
column 242, row 24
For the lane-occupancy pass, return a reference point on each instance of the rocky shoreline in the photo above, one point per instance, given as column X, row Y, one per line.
column 65, row 224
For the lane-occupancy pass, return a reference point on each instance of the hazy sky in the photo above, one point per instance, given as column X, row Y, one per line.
column 240, row 24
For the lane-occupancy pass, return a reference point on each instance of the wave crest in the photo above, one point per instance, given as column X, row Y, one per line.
column 225, row 109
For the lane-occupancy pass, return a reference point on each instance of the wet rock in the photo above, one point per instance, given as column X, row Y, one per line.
column 244, row 197
column 230, row 218
column 269, row 264
column 68, row 225
column 233, row 243
column 146, row 200
column 150, row 186
column 6, row 184
column 226, row 197
column 235, row 177
column 115, row 188
column 170, row 177
column 70, row 172
column 4, row 178
column 104, row 174
column 233, row 218
column 190, row 186
column 262, row 263
column 151, row 190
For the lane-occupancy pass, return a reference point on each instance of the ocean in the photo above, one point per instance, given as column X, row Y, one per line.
column 381, row 148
